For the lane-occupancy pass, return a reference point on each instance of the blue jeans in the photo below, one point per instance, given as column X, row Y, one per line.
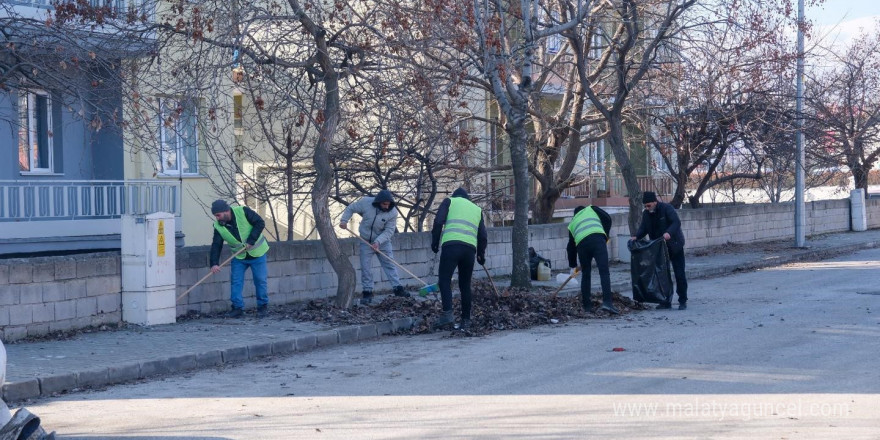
column 260, row 273
column 366, row 255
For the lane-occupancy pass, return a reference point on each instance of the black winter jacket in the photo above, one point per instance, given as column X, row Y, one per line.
column 571, row 249
column 663, row 219
column 440, row 220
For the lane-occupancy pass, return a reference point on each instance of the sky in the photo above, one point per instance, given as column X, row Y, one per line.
column 840, row 20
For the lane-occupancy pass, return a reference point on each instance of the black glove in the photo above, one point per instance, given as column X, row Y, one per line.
column 481, row 259
column 435, row 248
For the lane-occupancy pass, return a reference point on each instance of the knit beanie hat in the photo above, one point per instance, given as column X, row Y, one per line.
column 649, row 197
column 219, row 206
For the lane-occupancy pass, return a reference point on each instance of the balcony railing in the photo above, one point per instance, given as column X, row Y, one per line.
column 80, row 200
column 32, row 12
column 49, row 215
column 599, row 187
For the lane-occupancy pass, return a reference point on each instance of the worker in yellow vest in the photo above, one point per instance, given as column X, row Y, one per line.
column 460, row 231
column 241, row 227
column 587, row 241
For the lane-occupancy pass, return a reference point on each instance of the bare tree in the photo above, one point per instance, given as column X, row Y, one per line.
column 843, row 104
column 635, row 36
column 407, row 141
column 562, row 122
column 301, row 60
column 702, row 103
column 492, row 46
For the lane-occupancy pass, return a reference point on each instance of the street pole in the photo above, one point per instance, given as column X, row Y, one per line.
column 799, row 222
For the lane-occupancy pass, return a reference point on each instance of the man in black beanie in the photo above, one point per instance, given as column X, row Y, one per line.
column 660, row 220
column 242, row 228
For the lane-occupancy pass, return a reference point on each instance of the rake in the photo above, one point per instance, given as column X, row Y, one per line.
column 211, row 273
column 490, row 280
column 423, row 291
column 573, row 274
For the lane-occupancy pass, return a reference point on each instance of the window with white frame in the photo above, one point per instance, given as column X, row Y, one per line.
column 237, row 111
column 179, row 136
column 35, row 131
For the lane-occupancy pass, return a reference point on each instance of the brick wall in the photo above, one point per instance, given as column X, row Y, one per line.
column 46, row 294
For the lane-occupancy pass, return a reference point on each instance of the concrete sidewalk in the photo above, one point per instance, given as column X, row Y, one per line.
column 36, row 369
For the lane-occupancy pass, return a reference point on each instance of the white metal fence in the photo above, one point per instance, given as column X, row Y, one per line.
column 22, row 201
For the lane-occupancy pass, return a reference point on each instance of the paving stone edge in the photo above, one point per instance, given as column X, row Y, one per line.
column 20, row 390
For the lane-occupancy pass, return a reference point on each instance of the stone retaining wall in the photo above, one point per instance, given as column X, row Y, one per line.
column 47, row 294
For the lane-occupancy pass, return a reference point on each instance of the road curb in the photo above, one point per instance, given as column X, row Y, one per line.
column 17, row 391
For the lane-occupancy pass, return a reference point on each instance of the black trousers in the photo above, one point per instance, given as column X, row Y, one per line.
column 459, row 256
column 593, row 247
column 681, row 282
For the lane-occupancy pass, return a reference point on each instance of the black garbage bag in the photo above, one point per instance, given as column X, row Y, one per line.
column 649, row 266
column 535, row 260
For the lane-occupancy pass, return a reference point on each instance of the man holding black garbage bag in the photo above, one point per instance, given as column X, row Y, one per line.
column 660, row 220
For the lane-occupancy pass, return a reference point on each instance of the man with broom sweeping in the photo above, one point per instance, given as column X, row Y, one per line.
column 241, row 227
column 459, row 229
column 378, row 223
column 587, row 238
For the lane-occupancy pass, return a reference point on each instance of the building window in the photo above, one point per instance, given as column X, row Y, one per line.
column 35, row 132
column 179, row 140
column 466, row 126
column 496, row 146
column 237, row 120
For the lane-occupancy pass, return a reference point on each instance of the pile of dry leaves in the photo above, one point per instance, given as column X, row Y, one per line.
column 510, row 309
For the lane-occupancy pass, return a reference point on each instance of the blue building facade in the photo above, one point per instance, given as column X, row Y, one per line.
column 62, row 182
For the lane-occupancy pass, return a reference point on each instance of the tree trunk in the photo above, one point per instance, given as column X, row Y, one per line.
column 681, row 179
column 545, row 204
column 860, row 178
column 621, row 155
column 678, row 196
column 551, row 182
column 694, row 200
column 520, row 235
column 321, row 194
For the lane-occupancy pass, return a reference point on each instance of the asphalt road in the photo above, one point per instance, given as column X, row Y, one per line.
column 788, row 352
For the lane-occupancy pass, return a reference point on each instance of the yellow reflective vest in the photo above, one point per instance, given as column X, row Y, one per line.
column 584, row 223
column 462, row 222
column 244, row 231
